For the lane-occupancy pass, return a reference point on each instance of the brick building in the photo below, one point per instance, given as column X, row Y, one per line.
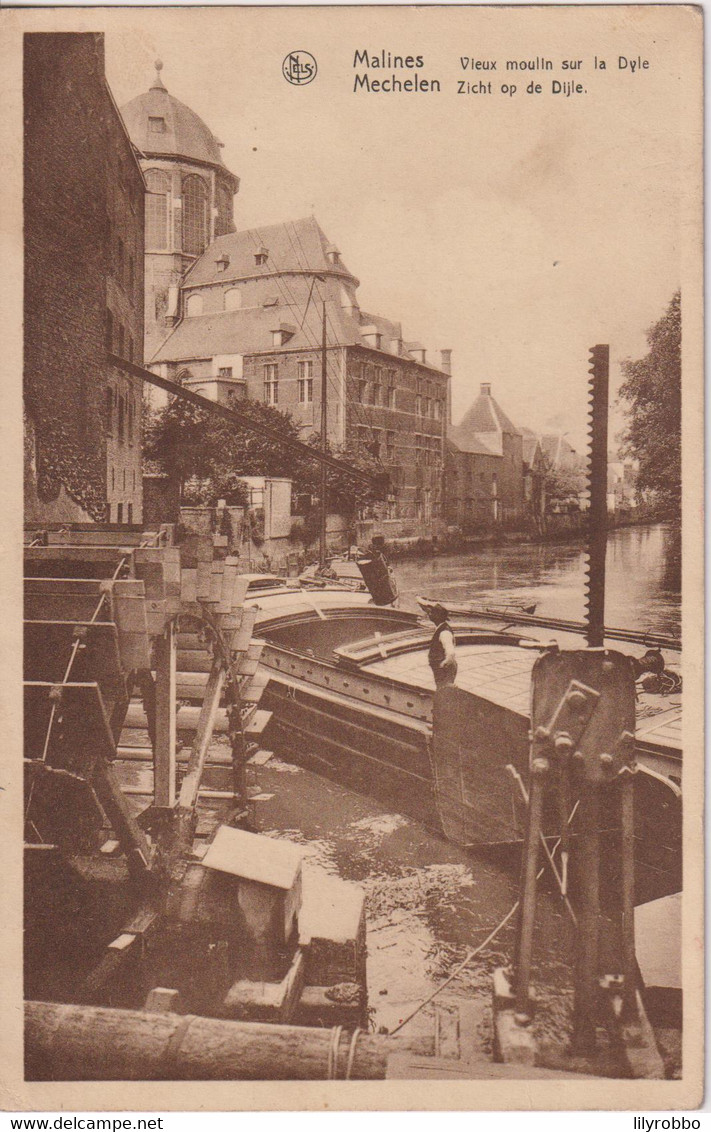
column 251, row 326
column 83, row 222
column 189, row 198
column 484, row 470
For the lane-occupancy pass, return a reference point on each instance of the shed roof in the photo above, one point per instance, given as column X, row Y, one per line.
column 255, row 857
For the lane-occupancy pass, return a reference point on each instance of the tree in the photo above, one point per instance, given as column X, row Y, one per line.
column 191, row 444
column 652, row 391
column 345, row 495
column 564, row 485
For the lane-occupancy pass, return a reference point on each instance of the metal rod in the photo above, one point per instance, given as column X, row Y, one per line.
column 234, row 417
column 527, row 889
column 512, row 620
column 565, row 819
column 588, row 877
column 629, row 959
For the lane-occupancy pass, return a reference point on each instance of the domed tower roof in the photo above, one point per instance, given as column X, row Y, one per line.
column 161, row 126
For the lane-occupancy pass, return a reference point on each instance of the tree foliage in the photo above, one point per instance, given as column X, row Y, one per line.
column 564, row 485
column 345, row 495
column 652, row 392
column 192, row 446
column 209, row 454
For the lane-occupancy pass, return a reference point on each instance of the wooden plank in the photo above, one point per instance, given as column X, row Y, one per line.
column 165, row 748
column 132, row 623
column 258, row 722
column 206, row 724
column 239, row 591
column 241, row 641
column 216, row 577
column 203, row 579
column 194, row 660
column 229, row 578
column 188, row 585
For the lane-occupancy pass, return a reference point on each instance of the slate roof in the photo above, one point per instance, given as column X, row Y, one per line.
column 464, row 441
column 481, row 429
column 248, row 331
column 558, row 451
column 529, row 445
column 185, row 134
column 295, row 245
column 486, row 415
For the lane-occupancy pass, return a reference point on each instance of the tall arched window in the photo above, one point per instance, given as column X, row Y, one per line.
column 158, row 185
column 193, row 305
column 194, row 215
column 233, row 299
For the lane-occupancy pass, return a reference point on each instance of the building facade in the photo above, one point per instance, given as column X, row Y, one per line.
column 189, row 199
column 484, row 476
column 83, row 220
column 252, row 326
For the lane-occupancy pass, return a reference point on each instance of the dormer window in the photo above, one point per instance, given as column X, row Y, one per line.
column 333, row 255
column 223, row 262
column 282, row 335
column 261, row 256
column 271, row 301
column 156, row 125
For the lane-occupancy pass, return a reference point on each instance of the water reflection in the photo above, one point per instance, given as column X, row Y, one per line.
column 643, row 589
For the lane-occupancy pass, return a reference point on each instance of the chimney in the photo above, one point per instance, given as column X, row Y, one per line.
column 446, row 364
column 486, row 389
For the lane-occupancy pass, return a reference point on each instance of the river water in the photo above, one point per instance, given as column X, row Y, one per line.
column 642, row 578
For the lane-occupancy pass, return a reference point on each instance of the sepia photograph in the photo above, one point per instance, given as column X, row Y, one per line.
column 357, row 386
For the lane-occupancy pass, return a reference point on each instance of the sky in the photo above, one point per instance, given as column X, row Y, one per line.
column 516, row 230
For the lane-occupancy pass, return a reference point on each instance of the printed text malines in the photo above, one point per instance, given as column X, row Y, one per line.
column 392, row 83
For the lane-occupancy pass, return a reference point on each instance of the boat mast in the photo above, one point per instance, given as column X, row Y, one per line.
column 324, row 445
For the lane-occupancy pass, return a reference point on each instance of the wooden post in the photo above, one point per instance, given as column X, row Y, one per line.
column 164, row 754
column 527, row 889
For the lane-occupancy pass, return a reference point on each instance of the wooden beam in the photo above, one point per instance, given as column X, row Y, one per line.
column 190, row 787
column 166, row 715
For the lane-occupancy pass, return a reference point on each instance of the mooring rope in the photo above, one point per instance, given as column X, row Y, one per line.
column 332, row 1067
column 352, row 1052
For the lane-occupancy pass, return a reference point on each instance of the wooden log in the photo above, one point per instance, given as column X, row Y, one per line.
column 89, row 1043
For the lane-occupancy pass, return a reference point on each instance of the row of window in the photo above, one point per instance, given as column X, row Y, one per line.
column 118, row 340
column 120, row 415
column 194, row 208
column 305, row 383
column 118, row 515
column 375, row 393
column 482, row 477
column 125, row 481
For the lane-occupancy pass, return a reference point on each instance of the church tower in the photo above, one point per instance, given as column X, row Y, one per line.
column 189, row 198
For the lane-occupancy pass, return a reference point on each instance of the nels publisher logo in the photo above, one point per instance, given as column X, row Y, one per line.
column 299, row 68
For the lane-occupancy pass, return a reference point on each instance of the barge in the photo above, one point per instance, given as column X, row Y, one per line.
column 352, row 696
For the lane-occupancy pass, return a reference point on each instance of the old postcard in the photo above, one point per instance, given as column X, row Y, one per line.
column 354, row 369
